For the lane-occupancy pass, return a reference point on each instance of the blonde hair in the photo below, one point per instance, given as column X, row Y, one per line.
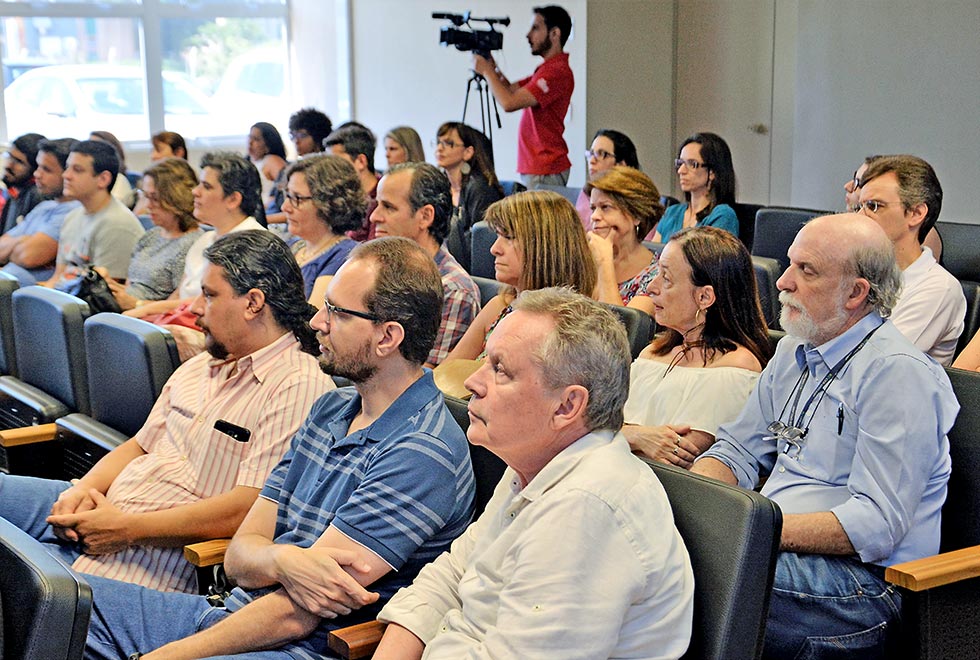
column 550, row 237
column 633, row 193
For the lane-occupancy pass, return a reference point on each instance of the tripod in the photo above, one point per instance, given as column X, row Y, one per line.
column 486, row 96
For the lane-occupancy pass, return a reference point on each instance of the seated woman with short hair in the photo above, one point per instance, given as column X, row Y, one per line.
column 699, row 372
column 625, row 207
column 540, row 243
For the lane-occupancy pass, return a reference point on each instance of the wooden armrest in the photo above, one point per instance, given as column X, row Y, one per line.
column 206, row 553
column 27, row 435
column 937, row 570
column 355, row 642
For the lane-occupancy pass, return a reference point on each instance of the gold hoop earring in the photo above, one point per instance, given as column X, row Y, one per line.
column 697, row 317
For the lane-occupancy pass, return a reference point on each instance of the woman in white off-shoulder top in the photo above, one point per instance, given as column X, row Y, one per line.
column 698, row 372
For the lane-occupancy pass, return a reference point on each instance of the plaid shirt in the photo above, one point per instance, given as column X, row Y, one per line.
column 460, row 305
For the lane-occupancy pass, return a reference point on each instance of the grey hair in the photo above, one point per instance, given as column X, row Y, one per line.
column 588, row 347
column 876, row 264
column 335, row 188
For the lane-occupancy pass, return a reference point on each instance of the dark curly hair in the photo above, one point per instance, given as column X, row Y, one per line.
column 335, row 188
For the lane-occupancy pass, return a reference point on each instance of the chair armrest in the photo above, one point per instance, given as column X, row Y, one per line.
column 206, row 553
column 356, row 642
column 27, row 435
column 936, row 571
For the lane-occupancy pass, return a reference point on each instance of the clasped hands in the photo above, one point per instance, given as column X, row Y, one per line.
column 315, row 579
column 668, row 444
column 85, row 515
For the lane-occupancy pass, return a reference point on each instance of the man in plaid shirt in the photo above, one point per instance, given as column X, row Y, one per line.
column 415, row 202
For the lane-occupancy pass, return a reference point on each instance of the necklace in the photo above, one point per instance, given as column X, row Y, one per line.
column 306, row 254
column 686, row 347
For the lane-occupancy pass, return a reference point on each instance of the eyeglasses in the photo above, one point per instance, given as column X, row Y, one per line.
column 16, row 159
column 598, row 154
column 298, row 135
column 448, row 144
column 343, row 311
column 296, row 200
column 690, row 162
column 793, row 437
column 152, row 198
column 855, row 182
column 873, row 205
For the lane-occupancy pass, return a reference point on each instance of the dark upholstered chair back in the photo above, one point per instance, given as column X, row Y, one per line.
column 45, row 606
column 488, row 286
column 129, row 362
column 8, row 358
column 732, row 536
column 487, row 468
column 50, row 347
column 767, row 271
column 775, row 229
column 961, row 524
column 481, row 261
column 639, row 326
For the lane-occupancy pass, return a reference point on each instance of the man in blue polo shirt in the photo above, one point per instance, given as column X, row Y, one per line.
column 377, row 482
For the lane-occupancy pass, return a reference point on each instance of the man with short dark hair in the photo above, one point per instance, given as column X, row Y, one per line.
column 21, row 195
column 576, row 555
column 542, row 155
column 356, row 144
column 103, row 232
column 376, row 483
column 847, row 429
column 29, row 249
column 415, row 202
column 903, row 195
column 221, row 423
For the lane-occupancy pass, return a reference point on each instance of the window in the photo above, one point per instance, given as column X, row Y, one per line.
column 208, row 69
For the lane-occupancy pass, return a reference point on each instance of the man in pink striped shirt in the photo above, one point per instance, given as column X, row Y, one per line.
column 221, row 424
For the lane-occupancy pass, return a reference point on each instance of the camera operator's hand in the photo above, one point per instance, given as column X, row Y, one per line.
column 486, row 67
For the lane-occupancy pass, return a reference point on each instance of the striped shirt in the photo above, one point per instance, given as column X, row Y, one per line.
column 403, row 488
column 460, row 305
column 268, row 392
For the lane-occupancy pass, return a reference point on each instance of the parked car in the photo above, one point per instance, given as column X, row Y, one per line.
column 74, row 99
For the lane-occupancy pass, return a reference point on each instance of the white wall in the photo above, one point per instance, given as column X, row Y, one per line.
column 880, row 76
column 401, row 75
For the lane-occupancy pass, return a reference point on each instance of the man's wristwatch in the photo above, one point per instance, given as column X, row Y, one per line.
column 135, row 656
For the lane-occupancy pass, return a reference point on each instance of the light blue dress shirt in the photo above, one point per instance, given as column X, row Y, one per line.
column 876, row 453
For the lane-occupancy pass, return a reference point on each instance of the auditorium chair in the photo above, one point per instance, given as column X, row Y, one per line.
column 941, row 594
column 129, row 362
column 746, row 222
column 767, row 271
column 775, row 229
column 640, row 327
column 568, row 192
column 962, row 259
column 488, row 286
column 44, row 606
column 50, row 348
column 732, row 537
column 8, row 360
column 482, row 237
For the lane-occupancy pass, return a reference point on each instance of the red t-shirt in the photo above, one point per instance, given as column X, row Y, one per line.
column 541, row 147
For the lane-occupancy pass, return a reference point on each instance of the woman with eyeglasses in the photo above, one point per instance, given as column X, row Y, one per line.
column 704, row 169
column 157, row 264
column 323, row 200
column 699, row 372
column 403, row 145
column 609, row 148
column 625, row 207
column 465, row 154
column 540, row 243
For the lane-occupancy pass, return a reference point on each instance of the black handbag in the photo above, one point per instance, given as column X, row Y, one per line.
column 93, row 289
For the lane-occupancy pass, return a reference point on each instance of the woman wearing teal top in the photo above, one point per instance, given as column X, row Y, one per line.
column 704, row 168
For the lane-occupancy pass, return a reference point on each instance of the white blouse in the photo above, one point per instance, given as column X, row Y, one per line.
column 701, row 397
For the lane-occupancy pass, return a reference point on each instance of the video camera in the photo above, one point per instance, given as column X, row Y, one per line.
column 481, row 42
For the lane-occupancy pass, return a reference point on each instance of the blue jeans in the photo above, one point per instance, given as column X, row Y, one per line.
column 25, row 502
column 532, row 181
column 127, row 618
column 826, row 607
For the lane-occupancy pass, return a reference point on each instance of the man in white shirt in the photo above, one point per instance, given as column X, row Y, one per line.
column 902, row 194
column 576, row 555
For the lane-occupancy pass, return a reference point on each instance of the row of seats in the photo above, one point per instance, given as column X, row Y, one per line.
column 76, row 384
